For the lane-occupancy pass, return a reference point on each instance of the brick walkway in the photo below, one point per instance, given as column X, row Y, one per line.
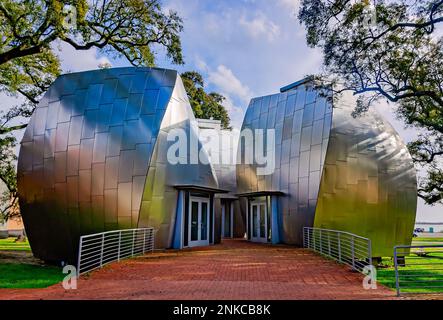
column 234, row 270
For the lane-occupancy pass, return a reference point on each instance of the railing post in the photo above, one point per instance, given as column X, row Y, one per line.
column 339, row 247
column 370, row 252
column 153, row 239
column 397, row 281
column 79, row 256
column 119, row 244
column 321, row 244
column 304, row 238
column 313, row 238
column 102, row 249
column 309, row 237
column 353, row 252
column 329, row 244
column 144, row 240
column 133, row 242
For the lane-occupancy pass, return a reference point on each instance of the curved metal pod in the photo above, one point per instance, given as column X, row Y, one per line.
column 93, row 158
column 333, row 171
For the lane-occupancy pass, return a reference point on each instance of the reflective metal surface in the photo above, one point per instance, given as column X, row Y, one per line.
column 337, row 172
column 93, row 158
column 369, row 182
column 298, row 155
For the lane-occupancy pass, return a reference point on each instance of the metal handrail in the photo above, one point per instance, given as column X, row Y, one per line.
column 344, row 247
column 99, row 249
column 420, row 268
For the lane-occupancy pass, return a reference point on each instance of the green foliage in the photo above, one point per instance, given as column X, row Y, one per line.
column 22, row 276
column 205, row 105
column 129, row 28
column 389, row 52
column 132, row 29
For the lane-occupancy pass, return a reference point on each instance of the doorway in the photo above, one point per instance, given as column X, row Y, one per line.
column 259, row 222
column 227, row 219
column 198, row 222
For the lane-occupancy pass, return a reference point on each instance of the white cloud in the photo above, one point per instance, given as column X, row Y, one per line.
column 229, row 84
column 235, row 112
column 260, row 26
column 290, row 4
column 201, row 64
column 76, row 60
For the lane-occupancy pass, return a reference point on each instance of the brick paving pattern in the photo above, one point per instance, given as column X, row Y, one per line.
column 235, row 270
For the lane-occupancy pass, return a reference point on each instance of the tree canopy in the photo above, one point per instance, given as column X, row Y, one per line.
column 205, row 105
column 30, row 29
column 388, row 50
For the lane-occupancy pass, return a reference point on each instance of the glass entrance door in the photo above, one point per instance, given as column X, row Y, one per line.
column 198, row 222
column 259, row 222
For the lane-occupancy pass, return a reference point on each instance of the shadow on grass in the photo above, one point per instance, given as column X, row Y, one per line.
column 421, row 278
column 10, row 244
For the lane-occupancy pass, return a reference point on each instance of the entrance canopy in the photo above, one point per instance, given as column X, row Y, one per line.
column 190, row 187
column 260, row 194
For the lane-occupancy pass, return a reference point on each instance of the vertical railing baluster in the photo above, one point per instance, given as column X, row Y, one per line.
column 133, row 241
column 353, row 252
column 321, row 240
column 119, row 245
column 79, row 256
column 144, row 240
column 397, row 281
column 309, row 238
column 153, row 238
column 339, row 247
column 329, row 244
column 102, row 249
column 313, row 237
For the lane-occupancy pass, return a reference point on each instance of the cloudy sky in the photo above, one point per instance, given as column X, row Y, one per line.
column 243, row 48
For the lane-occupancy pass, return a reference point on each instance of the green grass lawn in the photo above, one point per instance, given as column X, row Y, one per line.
column 9, row 245
column 14, row 275
column 423, row 239
column 426, row 271
column 16, row 270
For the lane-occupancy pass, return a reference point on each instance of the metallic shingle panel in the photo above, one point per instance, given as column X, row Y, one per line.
column 347, row 174
column 86, row 153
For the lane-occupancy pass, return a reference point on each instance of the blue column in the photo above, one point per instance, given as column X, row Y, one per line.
column 274, row 220
column 177, row 243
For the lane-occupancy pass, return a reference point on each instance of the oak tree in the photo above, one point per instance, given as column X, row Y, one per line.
column 391, row 50
column 30, row 30
column 205, row 105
